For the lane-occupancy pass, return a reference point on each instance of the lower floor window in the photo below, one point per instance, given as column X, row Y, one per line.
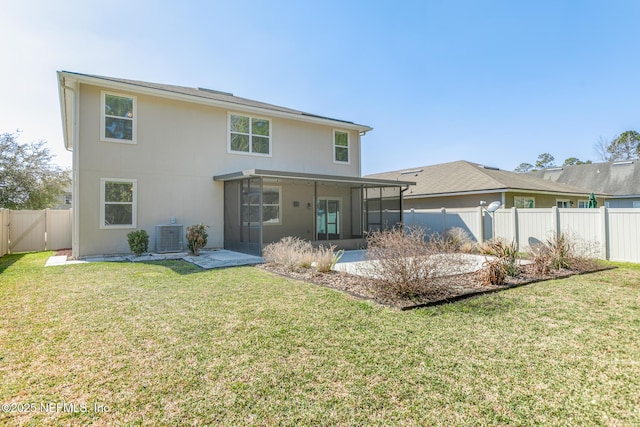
column 270, row 206
column 524, row 202
column 118, row 203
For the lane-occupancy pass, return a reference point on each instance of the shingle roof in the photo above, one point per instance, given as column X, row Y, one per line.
column 467, row 177
column 213, row 95
column 614, row 178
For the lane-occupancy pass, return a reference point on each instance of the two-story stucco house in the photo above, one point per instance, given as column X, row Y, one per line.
column 146, row 155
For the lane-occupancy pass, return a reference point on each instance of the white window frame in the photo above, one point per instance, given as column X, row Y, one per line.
column 134, row 204
column 279, row 204
column 103, row 117
column 250, row 134
column 515, row 201
column 563, row 201
column 583, row 204
column 635, row 204
column 348, row 147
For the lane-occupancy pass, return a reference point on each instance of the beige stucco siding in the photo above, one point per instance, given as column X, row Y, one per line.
column 180, row 147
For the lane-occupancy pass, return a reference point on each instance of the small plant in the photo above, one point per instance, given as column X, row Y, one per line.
column 558, row 252
column 326, row 258
column 138, row 242
column 196, row 238
column 493, row 272
column 506, row 253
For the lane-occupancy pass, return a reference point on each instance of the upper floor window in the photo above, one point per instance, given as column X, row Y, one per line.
column 249, row 135
column 563, row 203
column 118, row 121
column 118, row 203
column 340, row 146
column 524, row 202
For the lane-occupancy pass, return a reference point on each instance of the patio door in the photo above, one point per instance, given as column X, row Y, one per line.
column 328, row 219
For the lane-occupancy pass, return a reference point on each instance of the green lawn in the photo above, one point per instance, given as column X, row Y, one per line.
column 168, row 344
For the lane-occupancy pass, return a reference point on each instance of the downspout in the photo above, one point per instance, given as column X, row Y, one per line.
column 75, row 186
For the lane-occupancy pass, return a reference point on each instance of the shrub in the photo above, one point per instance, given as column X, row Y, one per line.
column 326, row 257
column 558, row 252
column 196, row 238
column 493, row 272
column 138, row 242
column 455, row 239
column 291, row 252
column 401, row 262
column 505, row 253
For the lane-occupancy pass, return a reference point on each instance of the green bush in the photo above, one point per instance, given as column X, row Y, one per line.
column 196, row 238
column 138, row 242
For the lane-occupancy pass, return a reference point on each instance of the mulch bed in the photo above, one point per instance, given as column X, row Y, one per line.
column 443, row 290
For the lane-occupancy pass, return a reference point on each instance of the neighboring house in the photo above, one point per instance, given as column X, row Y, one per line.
column 619, row 180
column 464, row 184
column 148, row 155
column 65, row 199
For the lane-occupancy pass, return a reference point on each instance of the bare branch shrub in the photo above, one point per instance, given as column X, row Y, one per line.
column 400, row 261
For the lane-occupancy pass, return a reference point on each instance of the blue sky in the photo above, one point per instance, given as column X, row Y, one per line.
column 493, row 82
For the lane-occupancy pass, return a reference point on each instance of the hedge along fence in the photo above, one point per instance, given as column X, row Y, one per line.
column 34, row 230
column 607, row 233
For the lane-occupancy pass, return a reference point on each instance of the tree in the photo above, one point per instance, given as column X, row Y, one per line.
column 626, row 146
column 524, row 168
column 601, row 147
column 28, row 179
column 545, row 160
column 575, row 161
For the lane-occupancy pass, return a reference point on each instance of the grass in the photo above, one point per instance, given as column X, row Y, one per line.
column 168, row 344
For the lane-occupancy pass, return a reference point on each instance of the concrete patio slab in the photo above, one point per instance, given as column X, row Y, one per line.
column 207, row 259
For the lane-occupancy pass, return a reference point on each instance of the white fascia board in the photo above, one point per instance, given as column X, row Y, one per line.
column 214, row 103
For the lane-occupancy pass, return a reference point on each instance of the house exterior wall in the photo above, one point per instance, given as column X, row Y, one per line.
column 624, row 202
column 473, row 200
column 180, row 147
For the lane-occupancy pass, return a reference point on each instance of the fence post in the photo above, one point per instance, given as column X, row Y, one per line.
column 516, row 235
column 480, row 225
column 604, row 233
column 444, row 220
column 556, row 220
column 47, row 227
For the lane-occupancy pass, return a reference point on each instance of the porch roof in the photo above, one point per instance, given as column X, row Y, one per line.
column 263, row 173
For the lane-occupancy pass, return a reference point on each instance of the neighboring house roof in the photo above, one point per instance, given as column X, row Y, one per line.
column 197, row 95
column 462, row 177
column 614, row 178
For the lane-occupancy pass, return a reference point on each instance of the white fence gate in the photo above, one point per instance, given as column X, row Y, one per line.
column 607, row 233
column 34, row 230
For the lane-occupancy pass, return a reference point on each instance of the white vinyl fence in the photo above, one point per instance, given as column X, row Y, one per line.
column 34, row 230
column 606, row 233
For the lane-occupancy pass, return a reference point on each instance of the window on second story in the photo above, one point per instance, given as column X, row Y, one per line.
column 340, row 146
column 118, row 121
column 250, row 135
